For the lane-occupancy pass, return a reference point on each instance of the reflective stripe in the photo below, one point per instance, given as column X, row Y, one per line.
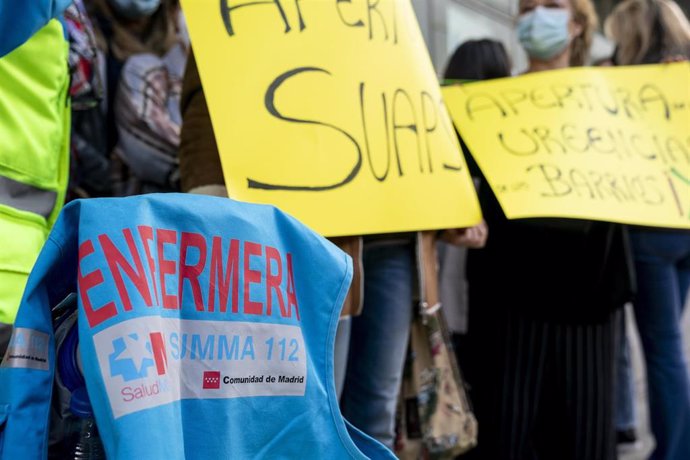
column 27, row 197
column 33, row 95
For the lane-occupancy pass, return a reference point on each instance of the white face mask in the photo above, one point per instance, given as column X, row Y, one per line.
column 135, row 8
column 543, row 32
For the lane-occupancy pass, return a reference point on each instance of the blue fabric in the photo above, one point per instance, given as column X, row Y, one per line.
column 171, row 363
column 662, row 261
column 626, row 417
column 378, row 343
column 20, row 19
column 342, row 348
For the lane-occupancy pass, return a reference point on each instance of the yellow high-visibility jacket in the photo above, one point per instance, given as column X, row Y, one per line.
column 34, row 154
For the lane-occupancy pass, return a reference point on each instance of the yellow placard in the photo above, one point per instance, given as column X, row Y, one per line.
column 604, row 144
column 330, row 110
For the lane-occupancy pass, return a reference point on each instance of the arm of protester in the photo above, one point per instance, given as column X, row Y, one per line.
column 472, row 237
column 200, row 168
column 20, row 19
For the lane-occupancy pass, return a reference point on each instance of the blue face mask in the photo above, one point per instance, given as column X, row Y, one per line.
column 543, row 33
column 134, row 8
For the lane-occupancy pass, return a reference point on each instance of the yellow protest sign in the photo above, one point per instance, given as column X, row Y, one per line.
column 604, row 144
column 330, row 110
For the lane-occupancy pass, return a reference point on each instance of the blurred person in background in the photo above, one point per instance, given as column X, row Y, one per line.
column 473, row 60
column 544, row 299
column 89, row 154
column 147, row 113
column 145, row 46
column 34, row 140
column 648, row 32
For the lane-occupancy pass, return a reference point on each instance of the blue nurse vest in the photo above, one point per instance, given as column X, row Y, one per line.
column 206, row 330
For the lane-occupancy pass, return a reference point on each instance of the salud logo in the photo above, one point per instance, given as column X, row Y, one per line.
column 133, row 355
column 211, row 380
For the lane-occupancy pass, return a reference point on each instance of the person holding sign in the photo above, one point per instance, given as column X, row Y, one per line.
column 473, row 60
column 544, row 296
column 647, row 32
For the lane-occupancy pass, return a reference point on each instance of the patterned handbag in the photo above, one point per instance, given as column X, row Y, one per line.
column 435, row 419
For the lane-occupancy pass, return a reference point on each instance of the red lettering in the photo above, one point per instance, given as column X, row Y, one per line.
column 192, row 272
column 158, row 351
column 146, row 235
column 166, row 267
column 273, row 281
column 223, row 282
column 251, row 277
column 117, row 262
column 291, row 294
column 85, row 283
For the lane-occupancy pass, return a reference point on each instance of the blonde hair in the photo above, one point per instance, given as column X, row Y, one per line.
column 637, row 26
column 586, row 17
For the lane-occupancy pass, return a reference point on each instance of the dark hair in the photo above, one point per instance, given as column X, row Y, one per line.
column 478, row 60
